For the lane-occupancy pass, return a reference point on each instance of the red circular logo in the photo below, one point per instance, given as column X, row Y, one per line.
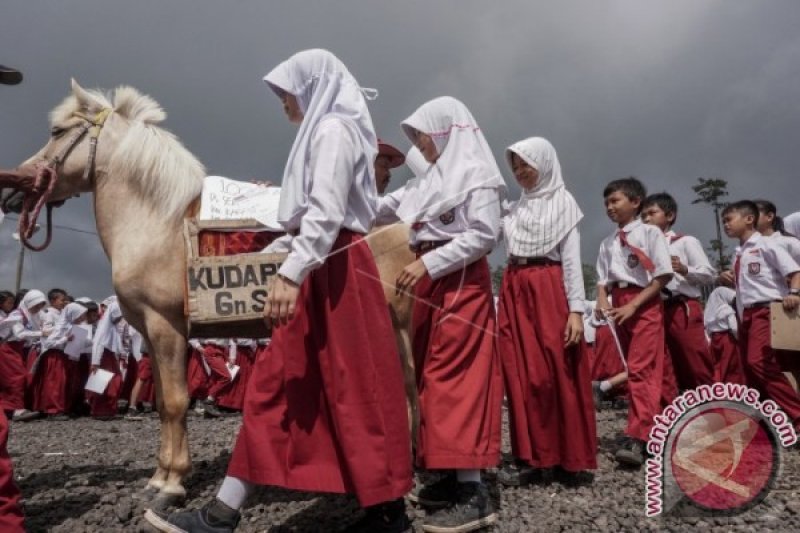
column 724, row 458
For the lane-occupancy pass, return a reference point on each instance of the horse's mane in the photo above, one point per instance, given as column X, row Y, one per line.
column 150, row 159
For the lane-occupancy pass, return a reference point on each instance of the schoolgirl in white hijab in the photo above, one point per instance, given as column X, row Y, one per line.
column 73, row 313
column 107, row 336
column 540, row 322
column 454, row 207
column 331, row 328
column 25, row 320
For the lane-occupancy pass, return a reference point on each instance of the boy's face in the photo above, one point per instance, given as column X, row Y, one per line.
column 7, row 305
column 736, row 224
column 621, row 209
column 92, row 316
column 59, row 301
column 655, row 216
column 382, row 173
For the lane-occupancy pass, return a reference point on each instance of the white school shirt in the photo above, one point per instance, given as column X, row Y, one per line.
column 49, row 318
column 790, row 243
column 700, row 272
column 763, row 267
column 387, row 207
column 5, row 328
column 21, row 332
column 334, row 201
column 472, row 228
column 719, row 315
column 618, row 263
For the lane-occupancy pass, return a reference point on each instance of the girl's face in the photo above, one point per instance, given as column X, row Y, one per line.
column 764, row 224
column 292, row 108
column 36, row 308
column 7, row 305
column 526, row 175
column 81, row 319
column 426, row 146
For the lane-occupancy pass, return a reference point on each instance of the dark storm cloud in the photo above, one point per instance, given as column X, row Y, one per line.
column 666, row 90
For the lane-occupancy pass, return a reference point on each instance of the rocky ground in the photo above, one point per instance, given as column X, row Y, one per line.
column 86, row 475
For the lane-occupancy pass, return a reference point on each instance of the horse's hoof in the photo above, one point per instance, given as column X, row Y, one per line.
column 165, row 501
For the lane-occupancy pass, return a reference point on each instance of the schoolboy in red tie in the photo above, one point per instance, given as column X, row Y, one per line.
column 634, row 265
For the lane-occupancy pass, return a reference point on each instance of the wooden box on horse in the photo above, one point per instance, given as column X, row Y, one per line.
column 225, row 294
column 785, row 328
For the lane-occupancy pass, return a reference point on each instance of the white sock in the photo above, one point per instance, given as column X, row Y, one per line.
column 465, row 476
column 605, row 385
column 234, row 492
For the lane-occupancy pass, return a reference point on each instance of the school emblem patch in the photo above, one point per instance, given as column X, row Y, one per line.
column 633, row 261
column 754, row 268
column 416, row 226
column 448, row 217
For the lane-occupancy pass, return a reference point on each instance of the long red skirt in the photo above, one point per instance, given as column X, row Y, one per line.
column 325, row 406
column 234, row 397
column 642, row 339
column 147, row 393
column 49, row 385
column 219, row 381
column 196, row 375
column 13, row 376
column 549, row 392
column 459, row 379
column 11, row 517
column 106, row 404
column 727, row 360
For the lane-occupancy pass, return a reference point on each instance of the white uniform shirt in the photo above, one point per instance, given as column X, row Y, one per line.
column 49, row 319
column 719, row 315
column 763, row 267
column 700, row 272
column 616, row 262
column 333, row 202
column 20, row 330
column 5, row 328
column 790, row 243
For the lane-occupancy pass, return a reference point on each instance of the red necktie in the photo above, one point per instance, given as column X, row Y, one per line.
column 645, row 261
column 736, row 269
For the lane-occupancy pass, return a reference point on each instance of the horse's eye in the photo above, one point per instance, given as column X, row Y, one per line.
column 55, row 131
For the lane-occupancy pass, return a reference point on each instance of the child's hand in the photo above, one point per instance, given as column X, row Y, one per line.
column 573, row 331
column 679, row 267
column 95, row 368
column 601, row 309
column 726, row 278
column 791, row 302
column 621, row 314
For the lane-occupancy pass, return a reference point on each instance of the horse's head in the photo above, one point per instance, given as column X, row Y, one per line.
column 82, row 116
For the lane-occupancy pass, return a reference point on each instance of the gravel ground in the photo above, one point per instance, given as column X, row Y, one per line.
column 85, row 475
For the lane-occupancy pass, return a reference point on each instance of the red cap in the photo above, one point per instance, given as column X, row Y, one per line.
column 396, row 157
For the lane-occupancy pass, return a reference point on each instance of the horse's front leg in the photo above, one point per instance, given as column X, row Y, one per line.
column 174, row 462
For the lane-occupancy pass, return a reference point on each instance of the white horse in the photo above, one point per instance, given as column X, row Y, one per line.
column 145, row 183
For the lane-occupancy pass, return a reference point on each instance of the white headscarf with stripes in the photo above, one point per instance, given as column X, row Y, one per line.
column 465, row 162
column 544, row 215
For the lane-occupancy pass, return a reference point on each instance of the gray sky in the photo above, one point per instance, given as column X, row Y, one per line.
column 667, row 90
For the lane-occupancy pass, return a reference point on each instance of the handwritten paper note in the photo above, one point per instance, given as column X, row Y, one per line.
column 227, row 199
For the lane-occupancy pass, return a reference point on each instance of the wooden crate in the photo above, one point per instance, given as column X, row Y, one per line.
column 785, row 328
column 225, row 295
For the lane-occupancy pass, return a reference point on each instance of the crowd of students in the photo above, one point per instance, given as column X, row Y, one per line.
column 51, row 345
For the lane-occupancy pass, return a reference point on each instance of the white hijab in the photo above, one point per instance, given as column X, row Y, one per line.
column 58, row 337
column 545, row 214
column 719, row 305
column 791, row 223
column 31, row 299
column 324, row 89
column 106, row 336
column 465, row 161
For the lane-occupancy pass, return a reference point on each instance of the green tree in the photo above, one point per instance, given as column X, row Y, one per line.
column 709, row 192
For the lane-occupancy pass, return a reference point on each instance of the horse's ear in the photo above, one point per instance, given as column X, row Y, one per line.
column 85, row 99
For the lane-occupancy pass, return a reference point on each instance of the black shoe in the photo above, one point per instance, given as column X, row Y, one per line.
column 389, row 517
column 122, row 407
column 58, row 417
column 214, row 517
column 574, row 479
column 516, row 474
column 631, row 452
column 26, row 416
column 210, row 409
column 438, row 494
column 473, row 510
column 147, row 407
